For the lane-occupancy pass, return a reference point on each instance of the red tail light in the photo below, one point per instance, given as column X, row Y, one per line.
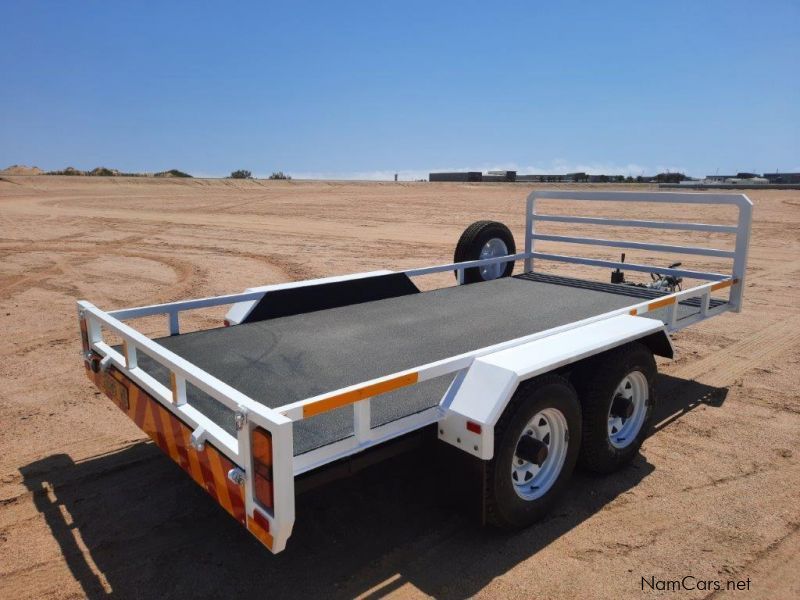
column 261, row 447
column 474, row 427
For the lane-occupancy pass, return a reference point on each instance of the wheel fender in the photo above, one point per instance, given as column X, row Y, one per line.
column 491, row 380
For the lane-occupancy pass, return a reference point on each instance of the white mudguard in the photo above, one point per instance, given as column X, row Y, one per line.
column 492, row 379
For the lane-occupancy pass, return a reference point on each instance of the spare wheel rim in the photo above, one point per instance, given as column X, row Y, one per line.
column 492, row 249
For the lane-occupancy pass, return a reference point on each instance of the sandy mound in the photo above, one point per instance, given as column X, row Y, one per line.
column 21, row 170
column 104, row 172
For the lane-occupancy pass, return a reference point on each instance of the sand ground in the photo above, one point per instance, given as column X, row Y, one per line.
column 88, row 509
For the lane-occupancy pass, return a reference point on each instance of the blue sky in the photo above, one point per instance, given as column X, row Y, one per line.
column 366, row 89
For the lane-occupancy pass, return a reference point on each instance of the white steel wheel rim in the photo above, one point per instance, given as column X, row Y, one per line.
column 532, row 481
column 492, row 249
column 623, row 430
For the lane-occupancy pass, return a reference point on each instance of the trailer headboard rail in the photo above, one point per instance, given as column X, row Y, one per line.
column 738, row 255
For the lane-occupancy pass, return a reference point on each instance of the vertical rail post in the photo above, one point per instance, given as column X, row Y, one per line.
column 705, row 302
column 361, row 420
column 178, row 386
column 673, row 314
column 174, row 323
column 129, row 352
column 740, row 259
column 93, row 329
column 529, row 231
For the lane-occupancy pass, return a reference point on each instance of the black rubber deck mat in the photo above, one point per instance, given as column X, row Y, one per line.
column 290, row 358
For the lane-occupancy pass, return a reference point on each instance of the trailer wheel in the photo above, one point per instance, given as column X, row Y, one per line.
column 481, row 240
column 617, row 400
column 536, row 447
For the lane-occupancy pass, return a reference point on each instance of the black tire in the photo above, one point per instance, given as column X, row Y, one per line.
column 504, row 507
column 596, row 381
column 472, row 241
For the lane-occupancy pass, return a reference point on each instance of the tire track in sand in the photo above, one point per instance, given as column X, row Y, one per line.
column 723, row 366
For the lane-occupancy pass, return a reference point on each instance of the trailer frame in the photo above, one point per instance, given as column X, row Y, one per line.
column 277, row 521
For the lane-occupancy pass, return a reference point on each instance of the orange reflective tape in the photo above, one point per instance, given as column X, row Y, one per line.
column 160, row 429
column 660, row 303
column 633, row 312
column 209, row 483
column 321, row 406
column 220, row 477
column 723, row 284
column 180, row 444
column 259, row 527
column 167, row 431
column 148, row 423
column 235, row 491
column 138, row 404
column 208, row 468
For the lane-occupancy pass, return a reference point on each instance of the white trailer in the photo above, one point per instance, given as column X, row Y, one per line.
column 530, row 374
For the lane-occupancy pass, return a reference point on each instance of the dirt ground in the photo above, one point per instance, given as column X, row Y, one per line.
column 87, row 508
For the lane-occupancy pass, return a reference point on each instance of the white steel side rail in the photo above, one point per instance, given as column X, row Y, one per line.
column 457, row 365
column 739, row 254
column 173, row 309
column 364, row 435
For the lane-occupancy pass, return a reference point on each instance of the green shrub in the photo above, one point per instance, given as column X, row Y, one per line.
column 241, row 174
column 172, row 173
column 279, row 175
column 102, row 172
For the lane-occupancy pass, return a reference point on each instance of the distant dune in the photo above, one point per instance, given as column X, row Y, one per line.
column 96, row 172
column 21, row 170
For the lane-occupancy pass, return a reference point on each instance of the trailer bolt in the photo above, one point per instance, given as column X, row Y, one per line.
column 199, row 446
column 475, row 448
column 236, row 475
column 240, row 419
column 458, row 440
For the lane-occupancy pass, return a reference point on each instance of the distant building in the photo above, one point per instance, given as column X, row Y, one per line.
column 747, row 180
column 782, row 177
column 500, row 176
column 536, row 178
column 456, row 176
column 576, row 177
column 606, row 178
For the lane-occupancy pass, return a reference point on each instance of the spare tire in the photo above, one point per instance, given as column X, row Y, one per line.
column 485, row 239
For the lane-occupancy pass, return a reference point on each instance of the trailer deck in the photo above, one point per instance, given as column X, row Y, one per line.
column 286, row 359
